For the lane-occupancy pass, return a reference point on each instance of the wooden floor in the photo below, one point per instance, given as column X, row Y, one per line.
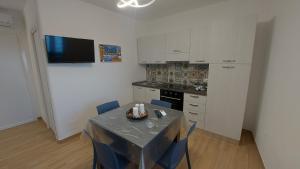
column 32, row 146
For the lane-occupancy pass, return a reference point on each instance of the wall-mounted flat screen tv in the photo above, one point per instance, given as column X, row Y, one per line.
column 69, row 50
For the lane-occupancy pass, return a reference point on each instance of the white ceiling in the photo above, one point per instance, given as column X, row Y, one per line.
column 160, row 8
column 12, row 4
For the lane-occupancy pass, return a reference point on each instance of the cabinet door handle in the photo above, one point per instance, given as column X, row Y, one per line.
column 193, row 113
column 177, row 51
column 200, row 61
column 153, row 90
column 194, row 105
column 192, row 121
column 228, row 67
column 196, row 97
column 229, row 61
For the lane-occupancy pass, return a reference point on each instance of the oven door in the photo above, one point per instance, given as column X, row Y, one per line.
column 177, row 103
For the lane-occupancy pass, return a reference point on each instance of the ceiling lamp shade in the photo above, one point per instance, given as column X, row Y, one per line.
column 133, row 3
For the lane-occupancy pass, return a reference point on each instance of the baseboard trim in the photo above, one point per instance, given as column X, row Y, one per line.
column 220, row 137
column 17, row 124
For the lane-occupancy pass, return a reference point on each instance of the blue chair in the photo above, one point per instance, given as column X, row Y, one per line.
column 106, row 157
column 103, row 108
column 174, row 154
column 161, row 103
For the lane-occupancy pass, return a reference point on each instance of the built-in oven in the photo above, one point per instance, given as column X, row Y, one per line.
column 176, row 98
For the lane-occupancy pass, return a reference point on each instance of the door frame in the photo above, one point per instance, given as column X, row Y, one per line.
column 42, row 77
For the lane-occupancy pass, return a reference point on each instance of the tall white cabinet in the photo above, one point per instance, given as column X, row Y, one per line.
column 226, row 98
column 232, row 40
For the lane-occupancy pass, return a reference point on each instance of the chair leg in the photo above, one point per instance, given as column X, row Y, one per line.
column 95, row 158
column 188, row 158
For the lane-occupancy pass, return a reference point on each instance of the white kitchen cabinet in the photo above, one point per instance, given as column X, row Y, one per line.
column 152, row 94
column 143, row 50
column 199, row 51
column 194, row 108
column 222, row 41
column 145, row 94
column 151, row 49
column 139, row 94
column 226, row 99
column 246, row 29
column 178, row 45
column 232, row 40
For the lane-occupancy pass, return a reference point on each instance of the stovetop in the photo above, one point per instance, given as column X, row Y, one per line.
column 168, row 86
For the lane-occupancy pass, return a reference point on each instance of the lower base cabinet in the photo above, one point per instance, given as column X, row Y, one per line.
column 144, row 94
column 194, row 108
column 226, row 99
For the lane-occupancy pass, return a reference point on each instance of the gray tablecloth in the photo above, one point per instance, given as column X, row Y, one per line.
column 134, row 139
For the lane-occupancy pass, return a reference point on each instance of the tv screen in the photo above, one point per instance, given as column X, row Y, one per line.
column 69, row 50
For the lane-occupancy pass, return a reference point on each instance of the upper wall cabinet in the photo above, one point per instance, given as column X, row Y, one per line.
column 222, row 41
column 199, row 52
column 246, row 29
column 178, row 46
column 232, row 40
column 151, row 49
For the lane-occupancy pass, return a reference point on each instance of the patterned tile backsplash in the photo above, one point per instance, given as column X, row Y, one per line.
column 177, row 73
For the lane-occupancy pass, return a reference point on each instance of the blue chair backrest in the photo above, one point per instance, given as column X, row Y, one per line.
column 161, row 103
column 106, row 156
column 180, row 148
column 107, row 107
column 103, row 154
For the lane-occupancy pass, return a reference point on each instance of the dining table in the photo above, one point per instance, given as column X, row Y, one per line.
column 142, row 142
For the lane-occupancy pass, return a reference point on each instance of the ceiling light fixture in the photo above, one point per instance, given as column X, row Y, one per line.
column 133, row 3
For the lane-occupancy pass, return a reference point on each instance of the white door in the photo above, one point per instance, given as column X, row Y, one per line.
column 226, row 98
column 199, row 52
column 178, row 46
column 16, row 105
column 222, row 41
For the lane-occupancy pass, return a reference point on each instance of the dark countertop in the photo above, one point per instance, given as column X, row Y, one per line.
column 172, row 87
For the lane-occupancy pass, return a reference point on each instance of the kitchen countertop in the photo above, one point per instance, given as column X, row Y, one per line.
column 172, row 87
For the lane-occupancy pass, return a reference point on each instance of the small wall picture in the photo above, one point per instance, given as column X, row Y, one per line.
column 110, row 53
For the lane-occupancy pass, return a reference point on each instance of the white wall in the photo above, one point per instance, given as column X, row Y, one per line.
column 16, row 105
column 76, row 89
column 277, row 130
